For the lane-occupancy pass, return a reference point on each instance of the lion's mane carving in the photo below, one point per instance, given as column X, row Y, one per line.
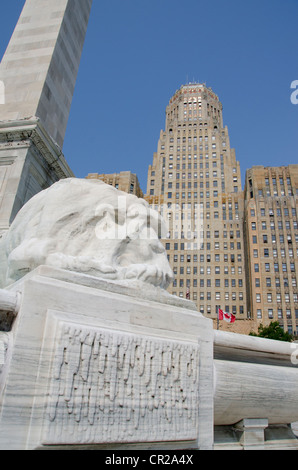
column 88, row 227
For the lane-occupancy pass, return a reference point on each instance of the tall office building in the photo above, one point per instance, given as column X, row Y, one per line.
column 271, row 230
column 195, row 183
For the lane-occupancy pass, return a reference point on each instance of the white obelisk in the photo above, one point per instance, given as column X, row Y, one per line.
column 38, row 74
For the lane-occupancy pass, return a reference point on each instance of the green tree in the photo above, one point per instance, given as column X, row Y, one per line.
column 273, row 331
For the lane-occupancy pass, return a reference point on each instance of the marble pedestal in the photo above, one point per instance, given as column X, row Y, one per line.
column 96, row 364
column 30, row 161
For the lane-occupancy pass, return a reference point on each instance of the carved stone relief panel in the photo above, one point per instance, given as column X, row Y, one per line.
column 108, row 386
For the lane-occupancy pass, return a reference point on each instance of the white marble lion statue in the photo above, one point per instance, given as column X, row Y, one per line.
column 89, row 227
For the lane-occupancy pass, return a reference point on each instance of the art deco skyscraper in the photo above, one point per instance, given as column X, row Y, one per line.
column 195, row 182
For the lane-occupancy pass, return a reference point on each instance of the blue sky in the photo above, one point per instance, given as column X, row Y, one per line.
column 138, row 53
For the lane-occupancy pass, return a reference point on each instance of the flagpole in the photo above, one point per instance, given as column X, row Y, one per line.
column 217, row 317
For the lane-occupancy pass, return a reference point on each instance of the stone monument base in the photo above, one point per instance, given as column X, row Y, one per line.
column 255, row 434
column 30, row 161
column 98, row 364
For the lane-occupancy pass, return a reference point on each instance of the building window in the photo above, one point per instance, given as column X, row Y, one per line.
column 267, row 267
column 288, row 313
column 284, row 267
column 276, row 267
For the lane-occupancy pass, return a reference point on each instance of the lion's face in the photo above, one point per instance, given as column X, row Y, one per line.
column 89, row 227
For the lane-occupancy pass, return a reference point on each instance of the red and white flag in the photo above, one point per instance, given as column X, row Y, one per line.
column 228, row 317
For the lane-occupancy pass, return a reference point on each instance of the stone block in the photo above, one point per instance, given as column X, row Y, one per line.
column 98, row 363
column 252, row 436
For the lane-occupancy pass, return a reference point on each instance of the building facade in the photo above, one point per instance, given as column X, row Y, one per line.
column 124, row 181
column 271, row 234
column 229, row 248
column 195, row 182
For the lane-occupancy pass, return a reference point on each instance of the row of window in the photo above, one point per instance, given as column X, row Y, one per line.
column 279, row 313
column 190, row 119
column 190, row 195
column 275, row 192
column 280, row 179
column 191, row 148
column 208, row 283
column 208, row 216
column 275, row 254
column 197, row 213
column 190, row 176
column 226, row 258
column 277, row 282
column 274, row 239
column 193, row 139
column 201, row 270
column 207, row 184
column 217, row 282
column 276, row 267
column 194, row 157
column 278, row 212
column 272, row 183
column 280, row 225
column 226, row 246
column 188, row 206
column 227, row 308
column 209, row 309
column 194, row 147
column 190, row 127
column 194, row 166
column 189, row 185
column 278, row 297
column 218, row 296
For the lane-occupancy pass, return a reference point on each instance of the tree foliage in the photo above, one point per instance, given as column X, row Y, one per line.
column 273, row 331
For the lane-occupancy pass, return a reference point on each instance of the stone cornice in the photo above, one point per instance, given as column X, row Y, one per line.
column 22, row 133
